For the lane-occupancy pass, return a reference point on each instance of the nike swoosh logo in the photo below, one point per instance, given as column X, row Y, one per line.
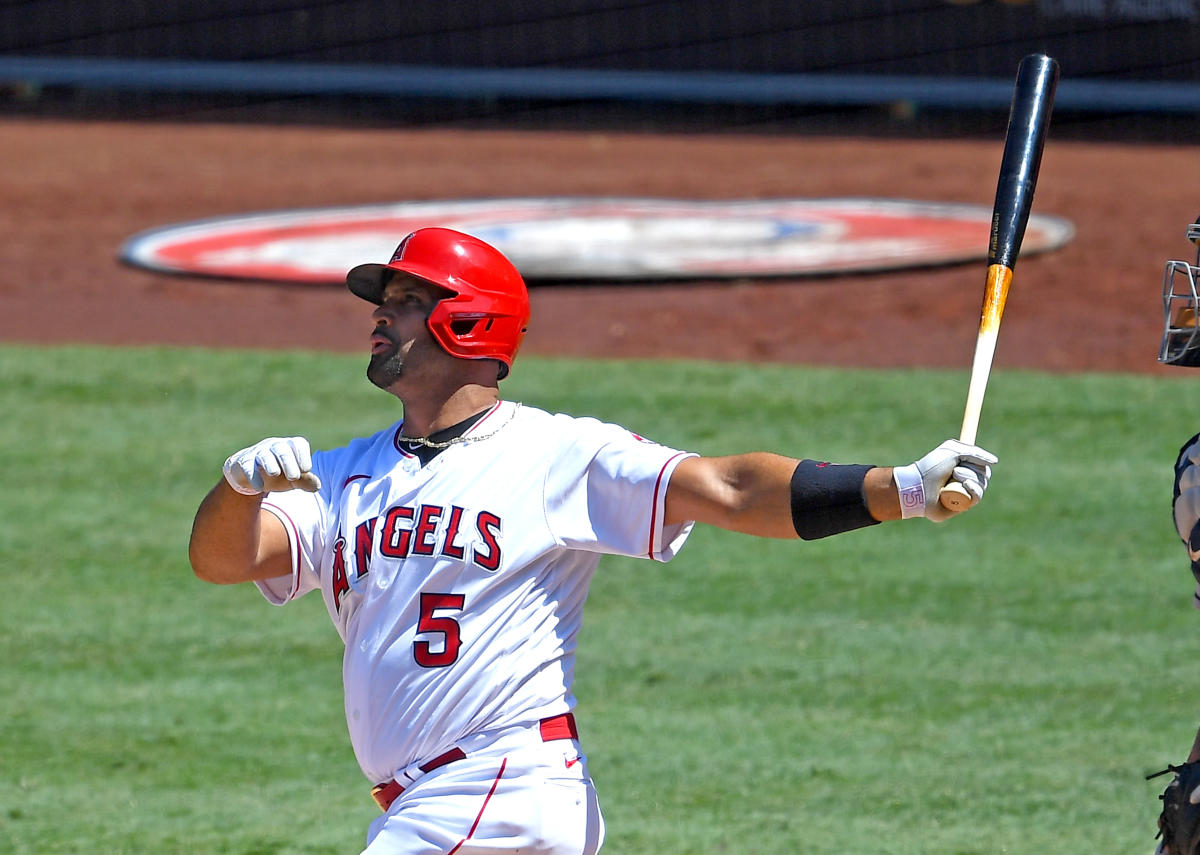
column 572, row 762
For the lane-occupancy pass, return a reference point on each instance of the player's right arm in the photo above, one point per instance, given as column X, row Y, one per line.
column 233, row 538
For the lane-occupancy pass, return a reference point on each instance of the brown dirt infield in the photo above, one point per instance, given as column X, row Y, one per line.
column 74, row 191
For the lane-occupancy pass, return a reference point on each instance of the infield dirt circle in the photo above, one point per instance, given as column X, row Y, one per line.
column 75, row 191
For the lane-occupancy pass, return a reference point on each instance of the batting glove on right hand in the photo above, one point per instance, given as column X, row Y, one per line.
column 270, row 465
column 919, row 483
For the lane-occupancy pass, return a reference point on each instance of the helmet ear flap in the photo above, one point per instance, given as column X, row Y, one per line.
column 466, row 330
column 468, row 326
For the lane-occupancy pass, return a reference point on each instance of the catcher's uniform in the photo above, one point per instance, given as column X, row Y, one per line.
column 1179, row 820
column 458, row 586
column 1185, row 504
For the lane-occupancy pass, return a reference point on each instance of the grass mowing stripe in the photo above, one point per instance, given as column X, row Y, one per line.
column 939, row 689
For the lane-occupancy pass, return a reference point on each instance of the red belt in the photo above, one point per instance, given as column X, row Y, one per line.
column 555, row 727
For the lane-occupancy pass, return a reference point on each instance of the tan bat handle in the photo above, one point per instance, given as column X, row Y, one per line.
column 954, row 496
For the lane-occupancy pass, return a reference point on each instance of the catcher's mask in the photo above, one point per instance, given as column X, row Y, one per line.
column 1181, row 308
column 486, row 312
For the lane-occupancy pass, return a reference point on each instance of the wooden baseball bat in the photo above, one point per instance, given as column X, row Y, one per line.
column 1028, row 120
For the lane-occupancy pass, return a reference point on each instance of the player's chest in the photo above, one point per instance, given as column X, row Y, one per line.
column 455, row 506
column 400, row 534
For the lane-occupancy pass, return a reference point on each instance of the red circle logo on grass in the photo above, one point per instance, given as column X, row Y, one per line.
column 596, row 238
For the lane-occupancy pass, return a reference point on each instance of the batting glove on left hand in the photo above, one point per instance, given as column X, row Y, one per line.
column 919, row 483
column 270, row 465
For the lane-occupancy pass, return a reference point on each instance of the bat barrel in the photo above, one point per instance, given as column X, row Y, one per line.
column 1029, row 118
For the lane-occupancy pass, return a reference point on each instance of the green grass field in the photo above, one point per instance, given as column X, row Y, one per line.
column 1000, row 683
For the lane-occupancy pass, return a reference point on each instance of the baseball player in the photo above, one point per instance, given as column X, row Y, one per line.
column 454, row 549
column 1179, row 822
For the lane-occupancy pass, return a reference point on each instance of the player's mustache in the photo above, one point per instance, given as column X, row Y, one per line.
column 383, row 333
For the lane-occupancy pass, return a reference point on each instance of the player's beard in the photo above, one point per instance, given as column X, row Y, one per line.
column 386, row 368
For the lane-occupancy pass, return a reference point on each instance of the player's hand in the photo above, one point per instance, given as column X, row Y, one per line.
column 270, row 465
column 919, row 483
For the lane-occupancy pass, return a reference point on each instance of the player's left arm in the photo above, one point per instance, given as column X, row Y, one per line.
column 751, row 493
column 770, row 495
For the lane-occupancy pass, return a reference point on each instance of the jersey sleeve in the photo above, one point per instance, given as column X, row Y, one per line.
column 303, row 516
column 607, row 492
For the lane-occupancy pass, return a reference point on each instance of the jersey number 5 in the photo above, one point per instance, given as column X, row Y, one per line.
column 424, row 651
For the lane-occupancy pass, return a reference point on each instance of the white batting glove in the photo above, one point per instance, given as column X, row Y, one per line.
column 1186, row 506
column 271, row 465
column 919, row 483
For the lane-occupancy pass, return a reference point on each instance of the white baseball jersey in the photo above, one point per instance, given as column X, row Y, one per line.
column 458, row 585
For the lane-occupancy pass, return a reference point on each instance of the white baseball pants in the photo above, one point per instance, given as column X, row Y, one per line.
column 516, row 794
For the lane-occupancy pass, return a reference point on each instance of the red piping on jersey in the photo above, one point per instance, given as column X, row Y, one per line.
column 479, row 816
column 654, row 506
column 354, row 478
column 485, row 417
column 287, row 520
column 396, row 442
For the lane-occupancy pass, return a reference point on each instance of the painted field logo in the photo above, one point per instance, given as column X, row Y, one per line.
column 596, row 238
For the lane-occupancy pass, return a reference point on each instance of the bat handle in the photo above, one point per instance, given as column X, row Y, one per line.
column 954, row 497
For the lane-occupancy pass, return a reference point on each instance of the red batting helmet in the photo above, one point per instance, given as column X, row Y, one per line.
column 487, row 312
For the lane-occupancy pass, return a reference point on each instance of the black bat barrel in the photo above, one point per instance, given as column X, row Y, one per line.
column 1029, row 118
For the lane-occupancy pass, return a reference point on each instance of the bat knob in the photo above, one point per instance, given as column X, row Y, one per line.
column 309, row 482
column 954, row 497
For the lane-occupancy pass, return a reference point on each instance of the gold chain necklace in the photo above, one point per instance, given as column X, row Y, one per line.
column 465, row 438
